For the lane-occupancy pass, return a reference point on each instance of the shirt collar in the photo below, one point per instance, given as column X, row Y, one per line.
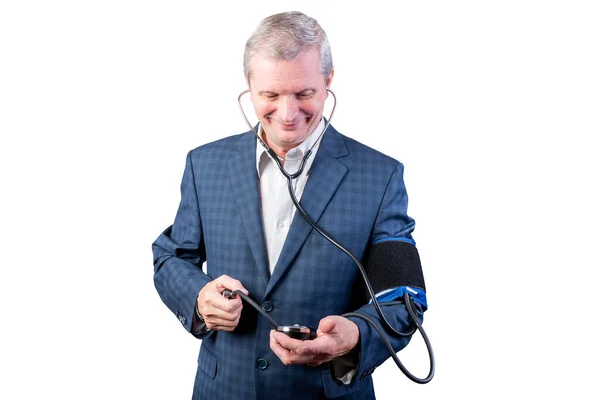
column 295, row 153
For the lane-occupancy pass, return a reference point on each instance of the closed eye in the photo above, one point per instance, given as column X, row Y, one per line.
column 305, row 94
column 269, row 95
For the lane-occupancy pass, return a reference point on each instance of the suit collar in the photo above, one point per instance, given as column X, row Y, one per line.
column 244, row 183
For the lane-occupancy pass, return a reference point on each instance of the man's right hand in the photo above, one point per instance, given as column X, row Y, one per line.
column 220, row 313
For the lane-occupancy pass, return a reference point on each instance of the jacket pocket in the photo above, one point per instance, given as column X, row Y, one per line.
column 207, row 362
column 334, row 389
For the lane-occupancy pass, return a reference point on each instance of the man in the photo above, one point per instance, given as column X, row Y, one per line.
column 236, row 214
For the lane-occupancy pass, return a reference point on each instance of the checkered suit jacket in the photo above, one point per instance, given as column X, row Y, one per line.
column 354, row 193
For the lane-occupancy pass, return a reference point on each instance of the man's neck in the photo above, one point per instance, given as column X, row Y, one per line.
column 281, row 152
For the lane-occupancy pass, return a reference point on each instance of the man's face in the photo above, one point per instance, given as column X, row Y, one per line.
column 288, row 97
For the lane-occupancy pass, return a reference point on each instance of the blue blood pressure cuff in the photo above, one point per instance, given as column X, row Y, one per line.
column 393, row 267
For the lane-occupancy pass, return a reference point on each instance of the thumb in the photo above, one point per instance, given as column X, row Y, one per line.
column 327, row 324
column 227, row 282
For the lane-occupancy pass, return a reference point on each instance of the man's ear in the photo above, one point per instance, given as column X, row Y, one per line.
column 329, row 78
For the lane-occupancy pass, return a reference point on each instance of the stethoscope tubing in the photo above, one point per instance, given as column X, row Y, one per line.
column 407, row 301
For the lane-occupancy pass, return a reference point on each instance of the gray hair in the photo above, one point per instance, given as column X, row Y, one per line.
column 284, row 36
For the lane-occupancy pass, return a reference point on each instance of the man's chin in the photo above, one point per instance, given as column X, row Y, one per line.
column 288, row 136
column 293, row 139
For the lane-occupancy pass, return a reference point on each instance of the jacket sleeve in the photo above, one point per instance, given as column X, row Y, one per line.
column 392, row 225
column 179, row 253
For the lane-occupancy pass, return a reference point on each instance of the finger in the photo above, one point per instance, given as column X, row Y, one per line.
column 207, row 293
column 286, row 357
column 228, row 305
column 303, row 356
column 318, row 345
column 226, row 282
column 215, row 314
column 221, row 324
column 214, row 323
column 215, row 317
column 225, row 328
column 288, row 343
column 318, row 348
column 282, row 353
column 213, row 300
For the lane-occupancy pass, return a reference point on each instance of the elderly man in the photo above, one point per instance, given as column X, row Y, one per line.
column 236, row 214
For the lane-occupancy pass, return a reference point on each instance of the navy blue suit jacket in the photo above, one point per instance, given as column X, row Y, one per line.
column 354, row 193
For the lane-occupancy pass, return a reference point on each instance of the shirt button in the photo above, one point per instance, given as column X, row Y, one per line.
column 267, row 306
column 280, row 224
column 261, row 363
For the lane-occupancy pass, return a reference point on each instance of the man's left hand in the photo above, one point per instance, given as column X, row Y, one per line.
column 335, row 336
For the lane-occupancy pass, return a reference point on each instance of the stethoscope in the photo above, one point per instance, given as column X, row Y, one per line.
column 304, row 332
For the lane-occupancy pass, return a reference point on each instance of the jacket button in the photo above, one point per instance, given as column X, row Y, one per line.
column 261, row 363
column 267, row 306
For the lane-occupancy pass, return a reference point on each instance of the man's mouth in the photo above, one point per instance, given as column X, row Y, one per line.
column 289, row 127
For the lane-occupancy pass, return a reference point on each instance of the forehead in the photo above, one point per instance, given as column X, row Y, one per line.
column 269, row 74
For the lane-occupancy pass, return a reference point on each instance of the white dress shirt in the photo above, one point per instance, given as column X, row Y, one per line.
column 277, row 207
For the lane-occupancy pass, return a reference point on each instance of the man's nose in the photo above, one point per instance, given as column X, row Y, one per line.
column 288, row 108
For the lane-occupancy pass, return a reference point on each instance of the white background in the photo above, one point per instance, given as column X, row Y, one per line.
column 491, row 106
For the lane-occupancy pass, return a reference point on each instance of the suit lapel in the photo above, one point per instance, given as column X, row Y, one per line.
column 244, row 180
column 325, row 176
